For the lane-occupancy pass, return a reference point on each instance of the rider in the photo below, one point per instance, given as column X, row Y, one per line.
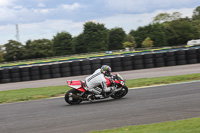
column 98, row 79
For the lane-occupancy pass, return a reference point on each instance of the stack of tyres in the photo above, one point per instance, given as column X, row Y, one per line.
column 95, row 64
column 15, row 74
column 25, row 73
column 35, row 73
column 86, row 67
column 137, row 62
column 127, row 63
column 55, row 70
column 198, row 54
column 191, row 56
column 180, row 57
column 159, row 60
column 76, row 68
column 170, row 58
column 45, row 72
column 106, row 61
column 148, row 60
column 65, row 69
column 5, row 76
column 116, row 64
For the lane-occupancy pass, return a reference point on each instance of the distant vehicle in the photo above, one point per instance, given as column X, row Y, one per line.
column 193, row 42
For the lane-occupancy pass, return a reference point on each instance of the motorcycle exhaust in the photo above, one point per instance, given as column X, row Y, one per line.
column 75, row 96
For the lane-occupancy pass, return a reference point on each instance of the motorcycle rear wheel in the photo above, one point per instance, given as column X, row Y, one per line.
column 120, row 93
column 71, row 100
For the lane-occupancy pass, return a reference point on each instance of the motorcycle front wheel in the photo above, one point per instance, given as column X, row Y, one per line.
column 120, row 93
column 70, row 100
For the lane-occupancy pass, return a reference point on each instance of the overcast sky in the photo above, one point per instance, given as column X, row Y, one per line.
column 39, row 19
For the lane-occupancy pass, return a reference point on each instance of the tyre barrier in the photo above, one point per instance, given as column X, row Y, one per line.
column 65, row 69
column 181, row 57
column 159, row 60
column 116, row 64
column 137, row 62
column 34, row 73
column 88, row 66
column 127, row 63
column 191, row 56
column 75, row 68
column 148, row 61
column 170, row 58
column 95, row 64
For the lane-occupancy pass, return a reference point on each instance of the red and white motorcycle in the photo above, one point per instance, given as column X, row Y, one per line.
column 78, row 93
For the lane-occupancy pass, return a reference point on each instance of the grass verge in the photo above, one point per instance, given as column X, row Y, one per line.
column 181, row 126
column 52, row 91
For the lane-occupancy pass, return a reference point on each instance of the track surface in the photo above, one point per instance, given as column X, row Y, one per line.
column 134, row 74
column 140, row 106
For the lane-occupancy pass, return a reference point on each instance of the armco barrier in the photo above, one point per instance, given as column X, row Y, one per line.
column 88, row 66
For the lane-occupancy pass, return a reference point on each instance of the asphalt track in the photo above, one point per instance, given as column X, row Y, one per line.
column 134, row 74
column 140, row 106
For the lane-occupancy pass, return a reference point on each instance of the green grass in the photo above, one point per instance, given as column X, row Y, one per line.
column 181, row 126
column 46, row 92
column 162, row 80
column 31, row 93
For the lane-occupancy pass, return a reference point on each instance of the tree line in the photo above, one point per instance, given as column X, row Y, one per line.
column 165, row 30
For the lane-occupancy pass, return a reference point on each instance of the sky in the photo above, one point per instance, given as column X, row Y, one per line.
column 38, row 19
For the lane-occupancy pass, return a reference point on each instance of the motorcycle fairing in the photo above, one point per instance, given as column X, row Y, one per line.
column 76, row 84
column 108, row 82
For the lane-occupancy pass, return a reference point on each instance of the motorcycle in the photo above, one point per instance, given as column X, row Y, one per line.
column 78, row 93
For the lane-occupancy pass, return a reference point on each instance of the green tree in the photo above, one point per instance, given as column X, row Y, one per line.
column 157, row 34
column 62, row 44
column 179, row 32
column 41, row 48
column 129, row 42
column 1, row 54
column 196, row 13
column 155, row 31
column 13, row 50
column 116, row 38
column 147, row 43
column 140, row 34
column 162, row 17
column 95, row 37
column 78, row 44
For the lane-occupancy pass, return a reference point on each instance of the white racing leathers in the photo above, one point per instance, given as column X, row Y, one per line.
column 94, row 80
